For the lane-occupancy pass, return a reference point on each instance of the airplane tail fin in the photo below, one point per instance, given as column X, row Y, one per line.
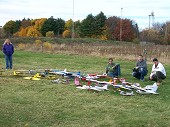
column 153, row 87
column 105, row 87
column 65, row 70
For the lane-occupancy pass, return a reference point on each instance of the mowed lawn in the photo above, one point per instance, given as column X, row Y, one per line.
column 27, row 103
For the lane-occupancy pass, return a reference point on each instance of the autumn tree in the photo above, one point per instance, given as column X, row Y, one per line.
column 9, row 28
column 39, row 23
column 128, row 31
column 68, row 25
column 25, row 23
column 166, row 35
column 159, row 33
column 110, row 25
column 22, row 33
column 32, row 32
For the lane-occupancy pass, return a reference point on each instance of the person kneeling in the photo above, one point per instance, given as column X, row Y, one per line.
column 158, row 72
column 113, row 69
column 141, row 69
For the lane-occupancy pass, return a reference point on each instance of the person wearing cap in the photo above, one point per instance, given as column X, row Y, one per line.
column 113, row 69
column 141, row 69
column 158, row 72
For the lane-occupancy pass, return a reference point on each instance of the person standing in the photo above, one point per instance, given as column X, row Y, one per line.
column 141, row 69
column 158, row 72
column 8, row 50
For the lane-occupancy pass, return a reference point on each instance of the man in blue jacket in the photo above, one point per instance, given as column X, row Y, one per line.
column 8, row 50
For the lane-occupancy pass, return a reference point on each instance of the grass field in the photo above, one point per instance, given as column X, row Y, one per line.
column 26, row 103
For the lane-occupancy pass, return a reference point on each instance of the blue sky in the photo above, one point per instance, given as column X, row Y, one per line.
column 137, row 10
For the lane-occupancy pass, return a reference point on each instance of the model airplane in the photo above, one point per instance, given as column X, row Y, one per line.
column 149, row 89
column 31, row 72
column 21, row 72
column 64, row 73
column 35, row 77
column 95, row 88
column 93, row 76
column 127, row 93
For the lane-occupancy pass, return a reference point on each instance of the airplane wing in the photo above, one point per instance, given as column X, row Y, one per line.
column 146, row 92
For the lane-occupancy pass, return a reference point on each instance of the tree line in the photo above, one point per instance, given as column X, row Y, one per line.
column 99, row 26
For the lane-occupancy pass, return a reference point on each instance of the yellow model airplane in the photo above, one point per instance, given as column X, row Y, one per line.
column 35, row 77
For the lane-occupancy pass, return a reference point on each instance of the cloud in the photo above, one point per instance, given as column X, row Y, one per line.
column 137, row 10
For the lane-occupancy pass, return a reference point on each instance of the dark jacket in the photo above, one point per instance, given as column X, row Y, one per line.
column 8, row 49
column 141, row 64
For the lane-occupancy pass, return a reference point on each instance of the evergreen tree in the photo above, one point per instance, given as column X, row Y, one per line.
column 55, row 25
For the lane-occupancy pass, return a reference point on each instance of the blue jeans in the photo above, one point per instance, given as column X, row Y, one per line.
column 140, row 73
column 115, row 73
column 8, row 61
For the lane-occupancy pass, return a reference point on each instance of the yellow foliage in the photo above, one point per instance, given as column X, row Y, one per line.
column 38, row 43
column 68, row 25
column 39, row 23
column 50, row 34
column 103, row 37
column 66, row 34
column 47, row 46
column 23, row 32
column 32, row 32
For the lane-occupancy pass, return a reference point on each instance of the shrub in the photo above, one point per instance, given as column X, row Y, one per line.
column 66, row 34
column 136, row 41
column 50, row 34
column 21, row 46
column 38, row 42
column 47, row 46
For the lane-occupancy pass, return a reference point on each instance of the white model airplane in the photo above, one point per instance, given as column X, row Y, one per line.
column 65, row 73
column 146, row 92
column 58, row 72
column 95, row 88
column 149, row 89
column 100, row 82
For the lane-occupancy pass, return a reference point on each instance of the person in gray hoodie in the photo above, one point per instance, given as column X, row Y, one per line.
column 141, row 69
column 8, row 50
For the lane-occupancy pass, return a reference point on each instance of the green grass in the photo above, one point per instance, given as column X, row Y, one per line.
column 44, row 104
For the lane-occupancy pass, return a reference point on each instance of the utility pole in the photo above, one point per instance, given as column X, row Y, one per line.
column 151, row 15
column 72, row 34
column 149, row 21
column 121, row 25
column 0, row 31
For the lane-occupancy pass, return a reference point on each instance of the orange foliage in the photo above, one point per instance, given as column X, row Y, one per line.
column 22, row 32
column 32, row 32
column 39, row 23
column 66, row 34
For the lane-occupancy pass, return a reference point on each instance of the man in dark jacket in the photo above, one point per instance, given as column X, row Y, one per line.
column 8, row 50
column 141, row 68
